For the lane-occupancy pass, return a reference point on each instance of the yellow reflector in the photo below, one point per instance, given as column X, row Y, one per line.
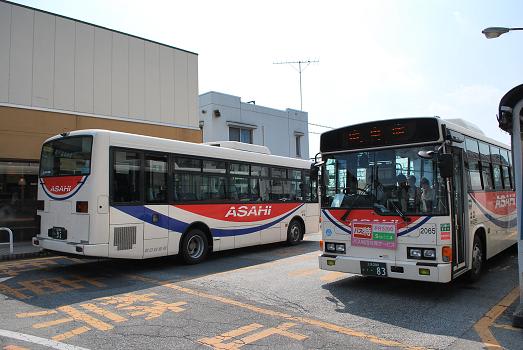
column 331, row 262
column 424, row 272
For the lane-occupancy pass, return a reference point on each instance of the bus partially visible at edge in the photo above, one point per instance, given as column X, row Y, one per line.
column 418, row 198
column 112, row 194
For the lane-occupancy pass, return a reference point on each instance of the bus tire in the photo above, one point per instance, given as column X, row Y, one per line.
column 194, row 247
column 478, row 259
column 294, row 232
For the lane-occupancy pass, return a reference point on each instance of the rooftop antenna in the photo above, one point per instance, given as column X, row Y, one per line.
column 300, row 69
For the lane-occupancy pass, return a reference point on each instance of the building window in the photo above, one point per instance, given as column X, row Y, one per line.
column 18, row 189
column 240, row 134
column 298, row 145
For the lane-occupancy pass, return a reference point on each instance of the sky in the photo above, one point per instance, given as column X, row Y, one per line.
column 378, row 59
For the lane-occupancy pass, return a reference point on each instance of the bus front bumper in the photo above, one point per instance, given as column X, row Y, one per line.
column 99, row 250
column 411, row 269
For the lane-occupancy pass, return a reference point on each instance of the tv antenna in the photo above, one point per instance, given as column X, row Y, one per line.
column 302, row 65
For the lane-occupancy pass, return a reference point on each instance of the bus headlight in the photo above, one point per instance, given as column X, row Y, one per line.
column 414, row 253
column 429, row 254
column 335, row 247
column 421, row 253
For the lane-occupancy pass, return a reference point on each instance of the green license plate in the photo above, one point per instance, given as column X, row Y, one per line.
column 369, row 268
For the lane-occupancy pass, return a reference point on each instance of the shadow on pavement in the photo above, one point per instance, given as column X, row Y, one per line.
column 66, row 280
column 446, row 309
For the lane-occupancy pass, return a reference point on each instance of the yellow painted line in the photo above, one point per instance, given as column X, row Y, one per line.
column 80, row 316
column 24, row 261
column 277, row 314
column 107, row 314
column 14, row 347
column 36, row 313
column 70, row 334
column 240, row 331
column 332, row 276
column 40, row 287
column 52, row 323
column 507, row 327
column 482, row 326
column 304, row 272
column 218, row 341
column 280, row 330
column 4, row 289
column 91, row 281
column 74, row 284
column 157, row 310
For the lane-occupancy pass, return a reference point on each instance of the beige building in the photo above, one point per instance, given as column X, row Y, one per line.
column 58, row 74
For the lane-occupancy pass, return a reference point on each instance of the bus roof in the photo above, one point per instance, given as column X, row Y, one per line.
column 121, row 139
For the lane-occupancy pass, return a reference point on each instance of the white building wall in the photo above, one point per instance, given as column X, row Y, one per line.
column 276, row 129
column 56, row 63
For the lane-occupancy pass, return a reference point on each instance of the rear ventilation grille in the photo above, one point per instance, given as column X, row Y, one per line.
column 124, row 237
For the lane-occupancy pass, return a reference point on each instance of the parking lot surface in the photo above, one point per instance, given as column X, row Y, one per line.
column 272, row 297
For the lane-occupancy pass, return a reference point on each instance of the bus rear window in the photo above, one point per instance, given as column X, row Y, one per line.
column 66, row 157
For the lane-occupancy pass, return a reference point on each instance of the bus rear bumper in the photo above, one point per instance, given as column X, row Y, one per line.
column 411, row 270
column 98, row 250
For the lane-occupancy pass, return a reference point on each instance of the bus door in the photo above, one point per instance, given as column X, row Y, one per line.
column 458, row 213
column 156, row 210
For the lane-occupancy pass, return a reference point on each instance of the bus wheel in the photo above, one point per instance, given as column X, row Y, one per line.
column 194, row 247
column 294, row 232
column 477, row 260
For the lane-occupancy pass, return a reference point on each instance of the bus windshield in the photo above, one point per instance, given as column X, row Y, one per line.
column 66, row 156
column 389, row 181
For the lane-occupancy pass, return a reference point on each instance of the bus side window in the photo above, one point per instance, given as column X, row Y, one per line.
column 486, row 176
column 156, row 178
column 506, row 178
column 126, row 169
column 498, row 177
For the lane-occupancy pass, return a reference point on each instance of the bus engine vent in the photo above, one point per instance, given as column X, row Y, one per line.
column 124, row 237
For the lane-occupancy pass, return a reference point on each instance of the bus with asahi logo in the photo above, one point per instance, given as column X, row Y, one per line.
column 111, row 194
column 418, row 198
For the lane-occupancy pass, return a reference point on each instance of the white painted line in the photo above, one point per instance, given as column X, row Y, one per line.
column 37, row 340
column 3, row 279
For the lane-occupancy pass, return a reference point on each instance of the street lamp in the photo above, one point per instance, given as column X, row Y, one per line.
column 494, row 32
column 511, row 108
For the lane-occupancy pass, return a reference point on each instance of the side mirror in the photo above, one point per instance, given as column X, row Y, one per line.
column 445, row 165
column 426, row 154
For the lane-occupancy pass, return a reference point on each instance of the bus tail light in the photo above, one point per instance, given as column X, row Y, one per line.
column 446, row 253
column 82, row 206
column 40, row 205
column 321, row 245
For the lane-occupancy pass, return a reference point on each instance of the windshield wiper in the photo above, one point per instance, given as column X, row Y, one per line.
column 399, row 212
column 349, row 209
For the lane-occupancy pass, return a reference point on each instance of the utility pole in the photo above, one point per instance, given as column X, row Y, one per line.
column 300, row 70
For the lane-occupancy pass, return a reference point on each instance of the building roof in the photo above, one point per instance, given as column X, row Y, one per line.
column 95, row 25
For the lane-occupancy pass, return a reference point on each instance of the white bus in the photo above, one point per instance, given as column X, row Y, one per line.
column 418, row 198
column 118, row 195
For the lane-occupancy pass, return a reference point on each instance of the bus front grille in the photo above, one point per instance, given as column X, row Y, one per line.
column 124, row 237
